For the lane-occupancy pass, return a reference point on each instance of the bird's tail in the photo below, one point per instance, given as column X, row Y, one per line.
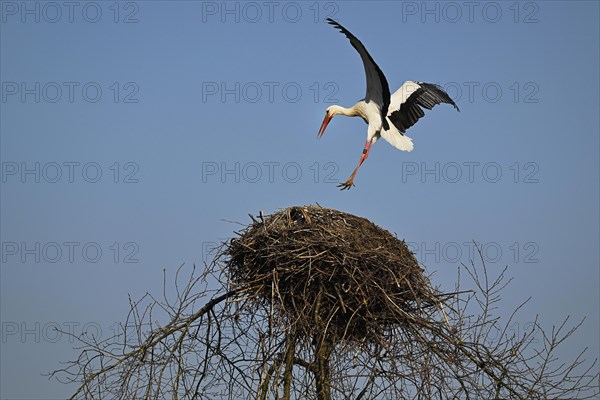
column 398, row 140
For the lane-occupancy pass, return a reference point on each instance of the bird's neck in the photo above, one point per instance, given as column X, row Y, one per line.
column 350, row 112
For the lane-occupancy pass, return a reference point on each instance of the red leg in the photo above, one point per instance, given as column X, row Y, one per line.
column 350, row 181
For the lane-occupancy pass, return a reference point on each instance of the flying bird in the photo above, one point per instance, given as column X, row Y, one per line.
column 388, row 116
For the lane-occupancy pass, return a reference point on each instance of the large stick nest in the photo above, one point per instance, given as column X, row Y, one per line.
column 323, row 270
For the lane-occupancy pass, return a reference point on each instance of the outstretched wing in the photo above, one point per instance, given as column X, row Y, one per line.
column 377, row 86
column 405, row 106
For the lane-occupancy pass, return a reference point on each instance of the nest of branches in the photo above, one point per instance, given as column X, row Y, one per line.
column 315, row 303
column 324, row 270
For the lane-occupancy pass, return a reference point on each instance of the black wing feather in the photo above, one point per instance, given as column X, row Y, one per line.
column 375, row 84
column 426, row 96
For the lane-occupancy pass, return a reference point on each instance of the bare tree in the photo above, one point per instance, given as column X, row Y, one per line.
column 314, row 303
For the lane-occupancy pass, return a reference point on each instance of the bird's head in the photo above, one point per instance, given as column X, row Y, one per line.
column 329, row 113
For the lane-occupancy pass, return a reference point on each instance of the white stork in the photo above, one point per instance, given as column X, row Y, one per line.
column 388, row 116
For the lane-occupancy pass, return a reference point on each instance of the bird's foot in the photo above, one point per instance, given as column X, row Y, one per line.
column 346, row 185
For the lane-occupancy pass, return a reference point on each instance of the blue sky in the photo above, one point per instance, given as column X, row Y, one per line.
column 132, row 135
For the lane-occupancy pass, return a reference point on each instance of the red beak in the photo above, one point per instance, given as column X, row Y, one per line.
column 324, row 125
